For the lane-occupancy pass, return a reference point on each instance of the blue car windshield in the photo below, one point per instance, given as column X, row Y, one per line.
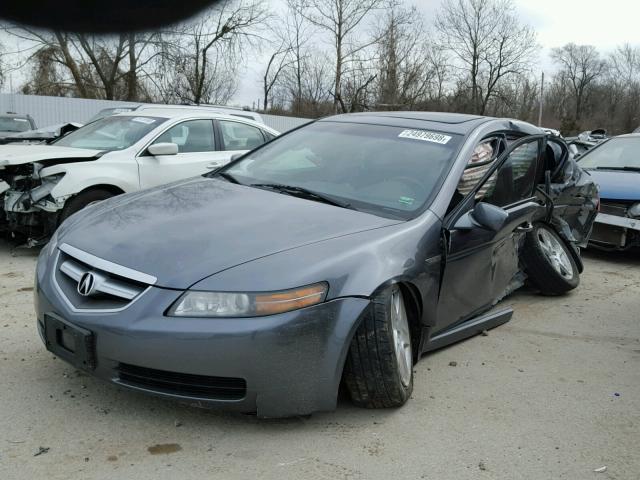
column 617, row 153
column 111, row 133
column 390, row 171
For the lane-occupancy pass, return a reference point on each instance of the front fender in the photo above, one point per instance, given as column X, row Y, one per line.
column 356, row 265
column 81, row 176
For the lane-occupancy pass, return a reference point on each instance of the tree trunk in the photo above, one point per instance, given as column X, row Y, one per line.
column 132, row 76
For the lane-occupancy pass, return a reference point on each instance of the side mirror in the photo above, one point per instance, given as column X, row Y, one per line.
column 236, row 156
column 163, row 149
column 484, row 215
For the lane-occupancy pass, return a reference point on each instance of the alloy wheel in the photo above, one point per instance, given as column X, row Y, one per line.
column 401, row 337
column 555, row 253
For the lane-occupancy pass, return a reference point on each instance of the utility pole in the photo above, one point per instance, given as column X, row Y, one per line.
column 541, row 102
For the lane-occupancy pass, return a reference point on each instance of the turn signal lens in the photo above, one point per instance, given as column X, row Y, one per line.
column 233, row 304
column 271, row 303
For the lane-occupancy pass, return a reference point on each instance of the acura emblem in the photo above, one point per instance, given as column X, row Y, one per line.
column 87, row 284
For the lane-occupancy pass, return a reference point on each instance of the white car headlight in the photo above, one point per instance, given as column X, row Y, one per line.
column 230, row 304
column 634, row 211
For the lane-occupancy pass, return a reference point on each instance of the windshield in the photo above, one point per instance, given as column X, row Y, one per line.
column 384, row 170
column 111, row 133
column 617, row 153
column 12, row 124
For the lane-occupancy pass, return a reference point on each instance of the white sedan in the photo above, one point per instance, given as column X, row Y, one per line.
column 44, row 184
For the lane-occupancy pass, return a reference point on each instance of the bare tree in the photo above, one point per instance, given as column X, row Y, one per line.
column 341, row 19
column 407, row 75
column 85, row 65
column 205, row 54
column 278, row 62
column 580, row 66
column 489, row 43
column 623, row 87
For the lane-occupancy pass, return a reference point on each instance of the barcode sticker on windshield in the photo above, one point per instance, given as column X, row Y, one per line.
column 425, row 136
column 145, row 120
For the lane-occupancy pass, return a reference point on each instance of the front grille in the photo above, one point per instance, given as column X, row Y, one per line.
column 614, row 208
column 112, row 292
column 183, row 384
column 608, row 234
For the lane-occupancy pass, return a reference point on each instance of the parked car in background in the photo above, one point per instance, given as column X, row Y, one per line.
column 107, row 112
column 587, row 140
column 42, row 185
column 42, row 135
column 615, row 166
column 234, row 112
column 12, row 123
column 341, row 251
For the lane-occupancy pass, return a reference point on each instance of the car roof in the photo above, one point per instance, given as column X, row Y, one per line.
column 176, row 113
column 14, row 115
column 458, row 123
column 629, row 135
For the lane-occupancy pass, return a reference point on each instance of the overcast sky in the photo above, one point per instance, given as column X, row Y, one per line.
column 604, row 24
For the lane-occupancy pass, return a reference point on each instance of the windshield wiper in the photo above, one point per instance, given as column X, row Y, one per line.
column 302, row 192
column 227, row 176
column 622, row 169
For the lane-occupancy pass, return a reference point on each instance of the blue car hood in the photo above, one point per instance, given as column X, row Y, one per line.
column 617, row 185
column 184, row 232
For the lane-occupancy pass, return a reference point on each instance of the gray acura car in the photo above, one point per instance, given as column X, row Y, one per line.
column 338, row 253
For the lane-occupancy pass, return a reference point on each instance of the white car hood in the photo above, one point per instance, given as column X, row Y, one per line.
column 19, row 154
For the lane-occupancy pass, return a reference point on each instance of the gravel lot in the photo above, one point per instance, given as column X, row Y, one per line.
column 554, row 394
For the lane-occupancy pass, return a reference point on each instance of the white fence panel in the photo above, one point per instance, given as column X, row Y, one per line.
column 53, row 110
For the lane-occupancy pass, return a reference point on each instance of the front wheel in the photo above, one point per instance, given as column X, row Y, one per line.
column 83, row 200
column 548, row 261
column 379, row 368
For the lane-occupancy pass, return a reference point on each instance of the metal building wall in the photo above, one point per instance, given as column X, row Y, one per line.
column 53, row 110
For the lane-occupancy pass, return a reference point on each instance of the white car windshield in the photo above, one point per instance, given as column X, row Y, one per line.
column 111, row 133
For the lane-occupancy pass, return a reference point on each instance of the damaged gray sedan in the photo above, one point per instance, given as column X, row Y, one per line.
column 339, row 252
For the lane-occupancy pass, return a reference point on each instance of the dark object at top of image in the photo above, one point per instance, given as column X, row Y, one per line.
column 101, row 17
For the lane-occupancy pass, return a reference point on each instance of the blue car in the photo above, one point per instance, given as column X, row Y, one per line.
column 615, row 166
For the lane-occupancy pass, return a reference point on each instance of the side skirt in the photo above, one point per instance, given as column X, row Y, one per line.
column 469, row 328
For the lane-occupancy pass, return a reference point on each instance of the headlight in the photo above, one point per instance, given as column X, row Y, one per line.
column 227, row 304
column 634, row 211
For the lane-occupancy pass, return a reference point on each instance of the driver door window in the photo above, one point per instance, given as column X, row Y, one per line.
column 190, row 136
column 515, row 179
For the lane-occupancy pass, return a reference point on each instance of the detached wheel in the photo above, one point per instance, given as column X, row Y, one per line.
column 83, row 200
column 548, row 261
column 379, row 368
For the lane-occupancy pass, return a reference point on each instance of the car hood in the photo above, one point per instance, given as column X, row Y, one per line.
column 190, row 230
column 19, row 154
column 617, row 185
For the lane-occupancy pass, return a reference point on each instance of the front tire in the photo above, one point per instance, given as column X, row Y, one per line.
column 82, row 200
column 549, row 263
column 379, row 368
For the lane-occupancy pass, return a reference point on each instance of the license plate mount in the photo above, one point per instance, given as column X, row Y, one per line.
column 73, row 344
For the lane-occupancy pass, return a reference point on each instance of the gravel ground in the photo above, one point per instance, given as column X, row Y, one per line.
column 554, row 394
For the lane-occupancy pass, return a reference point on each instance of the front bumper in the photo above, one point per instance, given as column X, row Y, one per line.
column 615, row 232
column 291, row 363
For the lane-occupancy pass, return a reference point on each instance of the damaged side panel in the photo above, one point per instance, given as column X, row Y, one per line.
column 575, row 203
